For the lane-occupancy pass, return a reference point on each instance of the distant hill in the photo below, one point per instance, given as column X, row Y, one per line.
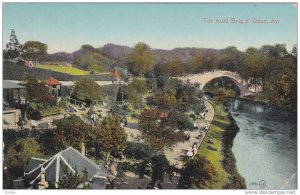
column 60, row 57
column 118, row 54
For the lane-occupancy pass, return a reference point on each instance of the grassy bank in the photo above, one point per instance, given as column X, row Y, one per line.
column 221, row 133
column 63, row 69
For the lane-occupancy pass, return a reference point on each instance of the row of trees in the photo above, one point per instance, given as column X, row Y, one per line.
column 31, row 50
column 271, row 67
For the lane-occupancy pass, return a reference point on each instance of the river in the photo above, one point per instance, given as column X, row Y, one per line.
column 265, row 148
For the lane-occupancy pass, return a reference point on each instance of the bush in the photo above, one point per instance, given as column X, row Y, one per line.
column 184, row 122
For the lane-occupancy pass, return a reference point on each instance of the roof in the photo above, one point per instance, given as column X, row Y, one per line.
column 11, row 85
column 12, row 71
column 52, row 81
column 163, row 115
column 73, row 161
column 115, row 74
column 34, row 163
column 18, row 184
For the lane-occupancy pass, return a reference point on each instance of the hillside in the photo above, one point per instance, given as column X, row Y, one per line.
column 118, row 54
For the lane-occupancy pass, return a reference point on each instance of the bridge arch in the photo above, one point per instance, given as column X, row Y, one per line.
column 206, row 77
column 239, row 85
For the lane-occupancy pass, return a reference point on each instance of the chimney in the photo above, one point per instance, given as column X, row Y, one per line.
column 82, row 149
column 43, row 184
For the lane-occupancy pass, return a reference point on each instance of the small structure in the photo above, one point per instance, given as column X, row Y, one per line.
column 23, row 62
column 41, row 173
column 163, row 115
column 116, row 75
column 54, row 84
column 11, row 104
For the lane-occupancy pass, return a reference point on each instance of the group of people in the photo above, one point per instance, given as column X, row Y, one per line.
column 193, row 151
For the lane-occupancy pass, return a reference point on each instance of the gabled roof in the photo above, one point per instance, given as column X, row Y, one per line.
column 73, row 161
column 11, row 85
column 52, row 81
column 34, row 163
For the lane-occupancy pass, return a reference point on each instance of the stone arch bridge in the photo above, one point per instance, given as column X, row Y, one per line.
column 204, row 78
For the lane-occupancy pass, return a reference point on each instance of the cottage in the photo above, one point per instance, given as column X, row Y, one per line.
column 42, row 173
column 12, row 101
column 54, row 85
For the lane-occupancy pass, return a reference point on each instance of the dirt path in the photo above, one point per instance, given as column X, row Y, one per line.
column 181, row 149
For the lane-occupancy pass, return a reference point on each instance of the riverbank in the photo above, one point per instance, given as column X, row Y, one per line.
column 216, row 147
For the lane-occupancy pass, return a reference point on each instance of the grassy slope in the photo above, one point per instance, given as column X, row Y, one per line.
column 216, row 130
column 63, row 69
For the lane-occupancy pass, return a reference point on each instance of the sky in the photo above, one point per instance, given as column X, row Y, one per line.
column 67, row 26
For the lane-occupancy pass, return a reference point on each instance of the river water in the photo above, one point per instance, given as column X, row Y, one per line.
column 265, row 148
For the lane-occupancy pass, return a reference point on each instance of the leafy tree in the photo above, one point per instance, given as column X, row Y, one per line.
column 157, row 133
column 167, row 100
column 230, row 59
column 221, row 96
column 73, row 180
column 15, row 159
column 148, row 161
column 38, row 92
column 86, row 89
column 90, row 59
column 34, row 50
column 110, row 135
column 281, row 89
column 254, row 66
column 173, row 68
column 135, row 91
column 71, row 131
column 200, row 63
column 141, row 59
column 198, row 173
column 13, row 48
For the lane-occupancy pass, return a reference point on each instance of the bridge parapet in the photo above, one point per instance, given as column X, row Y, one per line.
column 206, row 77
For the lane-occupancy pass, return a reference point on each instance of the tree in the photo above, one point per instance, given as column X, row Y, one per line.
column 86, row 89
column 71, row 131
column 90, row 58
column 73, row 180
column 156, row 132
column 148, row 161
column 34, row 50
column 15, row 159
column 230, row 59
column 254, row 66
column 135, row 91
column 110, row 135
column 38, row 92
column 281, row 89
column 173, row 68
column 13, row 48
column 198, row 173
column 221, row 96
column 200, row 63
column 141, row 59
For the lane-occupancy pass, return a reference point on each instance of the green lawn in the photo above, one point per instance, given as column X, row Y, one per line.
column 63, row 69
column 216, row 130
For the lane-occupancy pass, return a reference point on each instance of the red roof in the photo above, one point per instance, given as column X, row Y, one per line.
column 163, row 115
column 52, row 81
column 115, row 74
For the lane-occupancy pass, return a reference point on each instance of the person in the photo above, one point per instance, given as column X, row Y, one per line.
column 188, row 137
column 195, row 125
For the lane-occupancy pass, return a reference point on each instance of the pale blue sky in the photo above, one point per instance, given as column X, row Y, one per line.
column 67, row 26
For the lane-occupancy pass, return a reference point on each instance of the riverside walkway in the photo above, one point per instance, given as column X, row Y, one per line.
column 181, row 148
